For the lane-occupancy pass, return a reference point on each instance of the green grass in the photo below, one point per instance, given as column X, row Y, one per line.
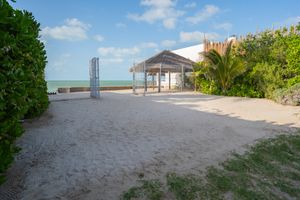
column 149, row 189
column 269, row 170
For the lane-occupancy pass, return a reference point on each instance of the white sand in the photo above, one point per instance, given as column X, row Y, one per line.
column 94, row 149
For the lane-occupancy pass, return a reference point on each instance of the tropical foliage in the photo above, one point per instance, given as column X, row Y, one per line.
column 23, row 90
column 223, row 68
column 272, row 63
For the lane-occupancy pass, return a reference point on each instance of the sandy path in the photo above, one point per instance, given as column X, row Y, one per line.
column 89, row 149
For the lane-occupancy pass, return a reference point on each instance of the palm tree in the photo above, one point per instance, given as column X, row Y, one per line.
column 223, row 68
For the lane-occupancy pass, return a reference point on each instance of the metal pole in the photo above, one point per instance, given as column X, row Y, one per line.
column 182, row 78
column 159, row 80
column 195, row 84
column 133, row 80
column 145, row 76
column 152, row 81
column 169, row 80
column 145, row 79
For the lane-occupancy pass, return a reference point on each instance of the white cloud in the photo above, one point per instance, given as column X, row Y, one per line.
column 99, row 38
column 72, row 30
column 121, row 25
column 119, row 55
column 170, row 23
column 159, row 11
column 118, row 52
column 148, row 45
column 77, row 23
column 190, row 5
column 225, row 26
column 207, row 12
column 197, row 36
column 168, row 43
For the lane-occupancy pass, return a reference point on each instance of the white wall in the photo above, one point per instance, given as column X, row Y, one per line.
column 191, row 52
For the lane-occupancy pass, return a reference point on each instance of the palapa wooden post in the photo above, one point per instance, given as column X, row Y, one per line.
column 152, row 81
column 182, row 77
column 159, row 76
column 169, row 80
column 194, row 74
column 133, row 80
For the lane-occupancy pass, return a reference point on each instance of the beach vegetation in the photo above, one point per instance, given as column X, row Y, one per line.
column 148, row 189
column 272, row 64
column 270, row 169
column 23, row 90
column 223, row 69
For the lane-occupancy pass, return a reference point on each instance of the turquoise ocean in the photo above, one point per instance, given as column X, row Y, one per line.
column 54, row 85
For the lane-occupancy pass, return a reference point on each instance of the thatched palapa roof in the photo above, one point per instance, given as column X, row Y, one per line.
column 167, row 60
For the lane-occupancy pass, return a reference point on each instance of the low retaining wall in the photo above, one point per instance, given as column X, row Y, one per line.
column 86, row 89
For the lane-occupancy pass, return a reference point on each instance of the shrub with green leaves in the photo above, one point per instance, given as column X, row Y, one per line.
column 23, row 90
column 272, row 60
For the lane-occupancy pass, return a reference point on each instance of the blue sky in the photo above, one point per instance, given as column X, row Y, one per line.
column 123, row 32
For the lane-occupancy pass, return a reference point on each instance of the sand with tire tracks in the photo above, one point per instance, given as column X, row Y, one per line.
column 94, row 149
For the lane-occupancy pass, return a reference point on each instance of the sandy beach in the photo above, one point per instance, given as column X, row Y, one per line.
column 83, row 148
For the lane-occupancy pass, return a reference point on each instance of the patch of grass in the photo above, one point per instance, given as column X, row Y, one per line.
column 149, row 189
column 184, row 188
column 269, row 170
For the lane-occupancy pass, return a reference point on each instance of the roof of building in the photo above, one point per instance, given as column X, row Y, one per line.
column 167, row 61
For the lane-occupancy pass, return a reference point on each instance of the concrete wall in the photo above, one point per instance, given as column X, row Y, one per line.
column 86, row 89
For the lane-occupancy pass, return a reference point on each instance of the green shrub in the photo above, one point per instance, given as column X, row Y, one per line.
column 272, row 60
column 23, row 90
column 267, row 78
column 293, row 81
column 243, row 90
column 290, row 96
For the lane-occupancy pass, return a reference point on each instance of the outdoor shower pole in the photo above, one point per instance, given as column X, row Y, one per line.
column 152, row 81
column 182, row 77
column 159, row 80
column 169, row 80
column 133, row 79
column 195, row 87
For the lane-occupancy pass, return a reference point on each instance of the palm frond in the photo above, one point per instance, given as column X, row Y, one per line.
column 223, row 68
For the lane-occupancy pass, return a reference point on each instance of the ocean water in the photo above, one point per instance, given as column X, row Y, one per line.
column 54, row 85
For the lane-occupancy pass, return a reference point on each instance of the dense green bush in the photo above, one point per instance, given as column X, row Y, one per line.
column 202, row 81
column 272, row 60
column 22, row 84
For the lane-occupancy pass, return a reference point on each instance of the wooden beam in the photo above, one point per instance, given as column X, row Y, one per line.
column 153, row 81
column 159, row 78
column 133, row 82
column 169, row 80
column 182, row 77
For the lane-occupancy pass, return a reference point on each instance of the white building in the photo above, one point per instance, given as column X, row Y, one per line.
column 192, row 53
